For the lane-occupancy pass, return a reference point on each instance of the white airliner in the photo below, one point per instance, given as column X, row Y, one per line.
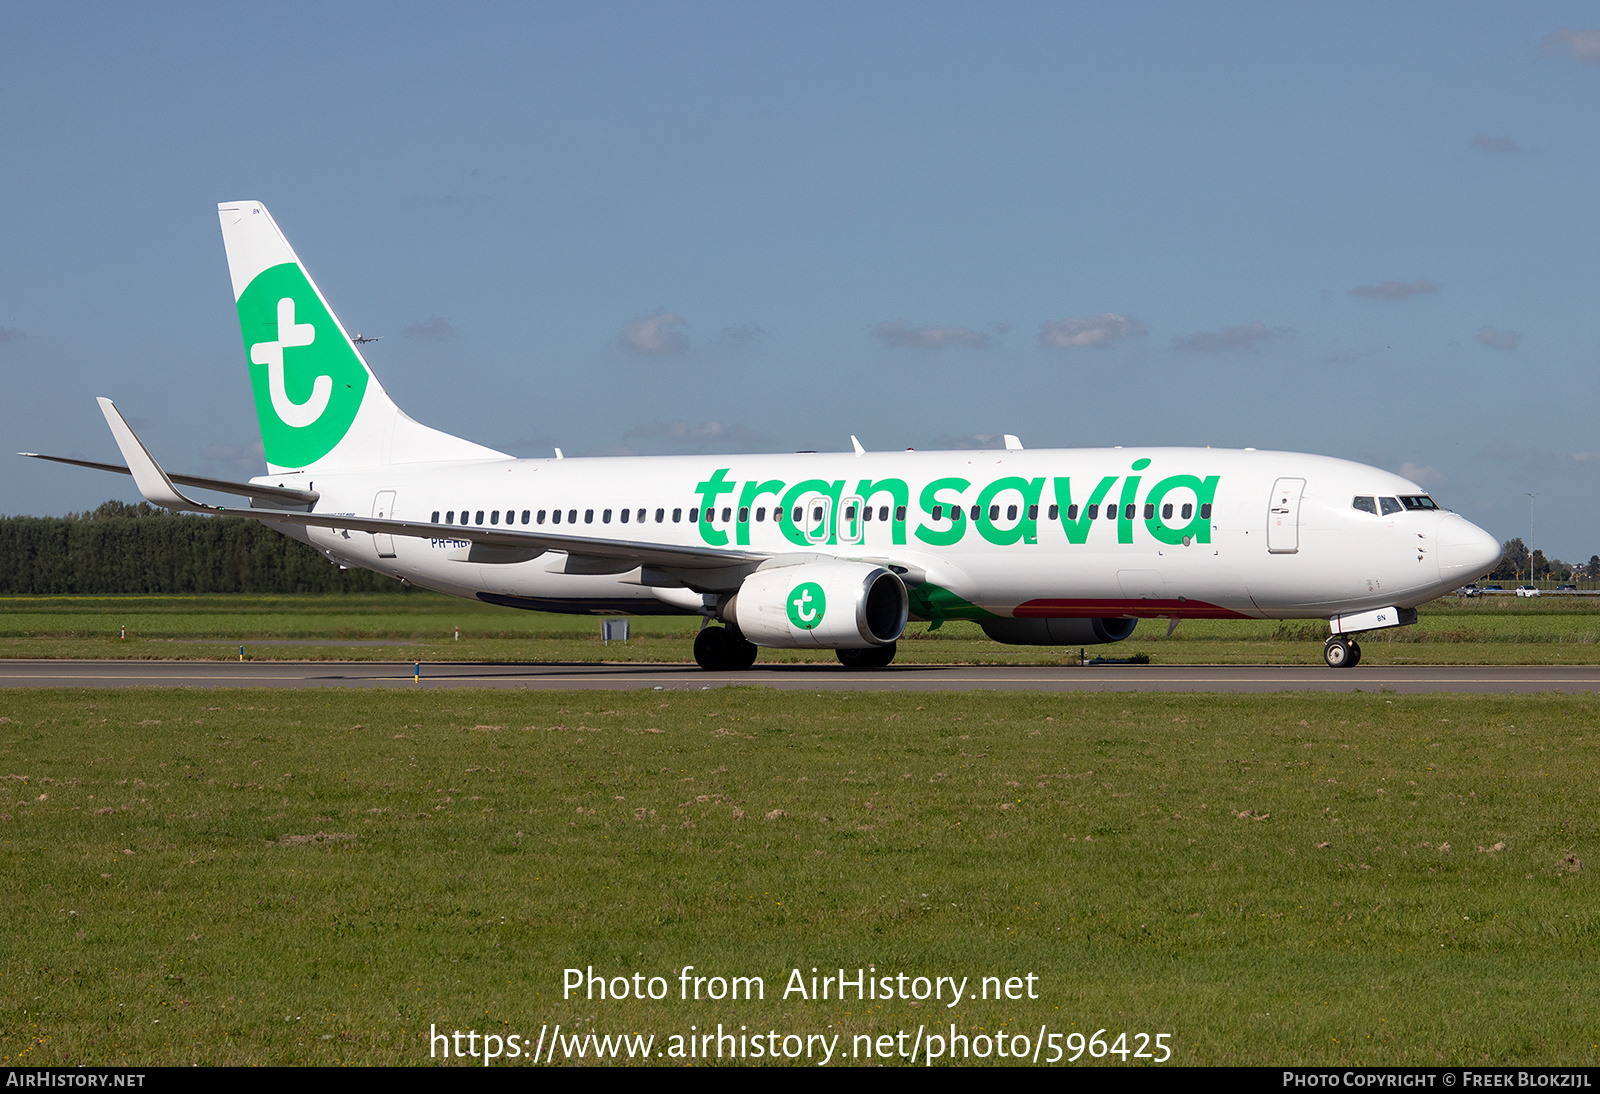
column 1062, row 547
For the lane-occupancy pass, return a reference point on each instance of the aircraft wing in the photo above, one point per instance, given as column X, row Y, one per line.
column 158, row 488
column 280, row 495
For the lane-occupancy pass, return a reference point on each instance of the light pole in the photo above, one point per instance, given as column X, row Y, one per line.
column 1531, row 571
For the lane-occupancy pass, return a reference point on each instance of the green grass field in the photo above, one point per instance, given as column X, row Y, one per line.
column 421, row 626
column 240, row 877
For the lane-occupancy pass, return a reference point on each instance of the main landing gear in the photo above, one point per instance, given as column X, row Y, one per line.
column 874, row 657
column 723, row 649
column 1341, row 652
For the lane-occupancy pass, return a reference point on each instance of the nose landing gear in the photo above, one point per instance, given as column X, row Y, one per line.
column 1341, row 652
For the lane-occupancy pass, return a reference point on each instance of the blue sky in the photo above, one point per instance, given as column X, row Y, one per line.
column 1360, row 230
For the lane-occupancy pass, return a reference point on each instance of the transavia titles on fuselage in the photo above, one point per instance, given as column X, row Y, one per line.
column 834, row 551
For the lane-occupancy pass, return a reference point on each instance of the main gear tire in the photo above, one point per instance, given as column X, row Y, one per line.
column 874, row 657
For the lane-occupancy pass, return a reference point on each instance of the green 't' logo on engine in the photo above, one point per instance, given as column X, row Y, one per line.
column 308, row 382
column 806, row 605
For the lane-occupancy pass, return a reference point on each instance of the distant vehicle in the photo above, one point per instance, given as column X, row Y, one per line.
column 1567, row 588
column 1469, row 590
column 1528, row 590
column 1493, row 589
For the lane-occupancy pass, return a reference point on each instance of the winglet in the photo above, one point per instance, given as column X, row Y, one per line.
column 857, row 445
column 147, row 474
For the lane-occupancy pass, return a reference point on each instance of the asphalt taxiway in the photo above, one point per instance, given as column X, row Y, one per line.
column 1463, row 679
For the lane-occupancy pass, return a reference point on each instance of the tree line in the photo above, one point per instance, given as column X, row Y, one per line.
column 1514, row 564
column 121, row 548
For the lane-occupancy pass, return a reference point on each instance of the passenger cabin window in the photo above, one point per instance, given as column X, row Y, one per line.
column 1366, row 505
column 555, row 516
column 588, row 516
column 479, row 518
column 661, row 515
column 605, row 517
column 761, row 514
column 1205, row 511
column 1388, row 505
column 677, row 515
column 1166, row 511
column 572, row 516
column 1033, row 512
column 744, row 514
column 1093, row 512
column 541, row 516
column 1187, row 511
column 1054, row 511
column 450, row 517
column 494, row 517
column 1072, row 513
column 525, row 515
column 624, row 515
column 938, row 512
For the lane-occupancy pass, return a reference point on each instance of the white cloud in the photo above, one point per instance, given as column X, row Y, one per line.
column 655, row 335
column 238, row 460
column 1245, row 339
column 898, row 335
column 1429, row 478
column 1095, row 330
column 435, row 326
column 1499, row 339
column 695, row 437
column 1579, row 43
column 1395, row 290
column 1500, row 146
column 983, row 441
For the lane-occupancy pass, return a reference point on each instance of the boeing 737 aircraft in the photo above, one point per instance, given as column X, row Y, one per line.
column 816, row 550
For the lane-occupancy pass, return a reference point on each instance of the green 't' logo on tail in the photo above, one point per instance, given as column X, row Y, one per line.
column 307, row 380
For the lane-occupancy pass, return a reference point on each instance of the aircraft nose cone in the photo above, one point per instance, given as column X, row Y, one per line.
column 1466, row 551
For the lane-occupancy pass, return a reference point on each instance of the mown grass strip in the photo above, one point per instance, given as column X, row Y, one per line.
column 273, row 877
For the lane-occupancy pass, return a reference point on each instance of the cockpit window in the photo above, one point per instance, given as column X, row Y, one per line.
column 1388, row 505
column 1419, row 501
column 1366, row 505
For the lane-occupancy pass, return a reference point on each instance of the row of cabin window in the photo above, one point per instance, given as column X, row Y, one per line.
column 1072, row 512
column 530, row 516
column 538, row 517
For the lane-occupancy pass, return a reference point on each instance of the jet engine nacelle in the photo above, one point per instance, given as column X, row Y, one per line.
column 821, row 605
column 1058, row 632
